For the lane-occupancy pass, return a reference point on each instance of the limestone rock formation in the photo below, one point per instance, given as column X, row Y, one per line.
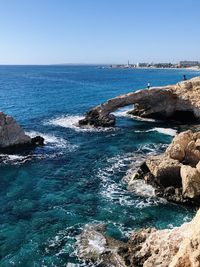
column 190, row 181
column 12, row 136
column 176, row 247
column 188, row 254
column 180, row 102
column 176, row 173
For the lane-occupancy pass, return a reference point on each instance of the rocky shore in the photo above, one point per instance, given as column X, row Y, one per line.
column 177, row 103
column 177, row 247
column 173, row 175
column 13, row 137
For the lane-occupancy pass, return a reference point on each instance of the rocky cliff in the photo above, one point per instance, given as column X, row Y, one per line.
column 177, row 247
column 180, row 102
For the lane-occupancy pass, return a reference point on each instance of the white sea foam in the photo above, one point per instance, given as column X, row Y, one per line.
column 53, row 141
column 13, row 158
column 114, row 191
column 151, row 149
column 167, row 131
column 96, row 244
column 71, row 122
column 140, row 188
column 122, row 112
column 137, row 118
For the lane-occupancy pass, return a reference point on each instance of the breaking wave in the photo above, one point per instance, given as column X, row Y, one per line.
column 53, row 141
column 71, row 122
column 166, row 131
column 116, row 192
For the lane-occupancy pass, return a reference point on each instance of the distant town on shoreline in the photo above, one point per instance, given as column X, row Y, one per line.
column 181, row 64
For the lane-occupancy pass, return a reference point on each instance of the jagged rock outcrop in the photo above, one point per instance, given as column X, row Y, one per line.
column 188, row 254
column 177, row 247
column 176, row 173
column 13, row 137
column 94, row 246
column 180, row 102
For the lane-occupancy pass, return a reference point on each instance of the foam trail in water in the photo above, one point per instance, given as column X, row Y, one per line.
column 14, row 159
column 53, row 141
column 167, row 131
column 123, row 112
column 71, row 122
column 115, row 192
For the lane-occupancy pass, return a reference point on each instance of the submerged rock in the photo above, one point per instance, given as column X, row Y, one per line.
column 94, row 246
column 180, row 102
column 13, row 137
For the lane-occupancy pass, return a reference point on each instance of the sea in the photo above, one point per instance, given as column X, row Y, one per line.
column 48, row 195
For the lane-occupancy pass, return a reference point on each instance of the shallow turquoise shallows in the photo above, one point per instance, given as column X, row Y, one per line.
column 77, row 177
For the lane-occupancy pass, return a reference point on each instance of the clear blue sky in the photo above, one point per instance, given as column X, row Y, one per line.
column 98, row 31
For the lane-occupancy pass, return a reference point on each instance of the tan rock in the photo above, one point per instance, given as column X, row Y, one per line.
column 189, row 250
column 198, row 166
column 196, row 135
column 191, row 146
column 177, row 247
column 197, row 144
column 181, row 143
column 177, row 152
column 190, row 181
column 155, row 248
column 165, row 170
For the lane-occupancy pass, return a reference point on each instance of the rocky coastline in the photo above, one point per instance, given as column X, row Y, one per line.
column 174, row 175
column 177, row 247
column 174, row 103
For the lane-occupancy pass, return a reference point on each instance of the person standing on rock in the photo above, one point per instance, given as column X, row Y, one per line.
column 148, row 85
column 184, row 77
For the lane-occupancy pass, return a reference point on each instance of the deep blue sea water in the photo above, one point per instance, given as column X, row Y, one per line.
column 76, row 178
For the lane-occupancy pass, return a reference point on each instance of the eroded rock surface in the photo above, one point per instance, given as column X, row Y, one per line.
column 177, row 247
column 180, row 102
column 175, row 174
column 12, row 136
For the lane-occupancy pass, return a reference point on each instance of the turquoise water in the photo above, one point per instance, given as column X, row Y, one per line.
column 76, row 178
